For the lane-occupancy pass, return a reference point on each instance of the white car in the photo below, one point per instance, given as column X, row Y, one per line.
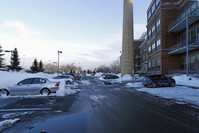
column 67, row 78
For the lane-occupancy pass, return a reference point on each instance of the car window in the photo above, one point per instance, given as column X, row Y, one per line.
column 162, row 76
column 38, row 81
column 25, row 81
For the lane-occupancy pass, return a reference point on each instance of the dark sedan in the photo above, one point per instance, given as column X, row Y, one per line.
column 158, row 80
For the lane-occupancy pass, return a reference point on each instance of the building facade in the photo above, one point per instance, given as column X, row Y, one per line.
column 164, row 50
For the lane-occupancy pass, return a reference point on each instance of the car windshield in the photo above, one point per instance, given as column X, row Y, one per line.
column 99, row 66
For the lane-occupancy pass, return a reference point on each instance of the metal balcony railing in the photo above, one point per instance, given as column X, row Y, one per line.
column 195, row 12
column 181, row 47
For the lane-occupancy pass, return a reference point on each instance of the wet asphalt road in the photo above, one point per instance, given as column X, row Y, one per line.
column 101, row 108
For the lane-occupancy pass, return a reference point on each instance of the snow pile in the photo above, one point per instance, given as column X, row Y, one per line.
column 7, row 123
column 86, row 82
column 88, row 74
column 11, row 115
column 178, row 93
column 127, row 77
column 98, row 74
column 63, row 91
column 10, row 79
column 136, row 84
column 187, row 80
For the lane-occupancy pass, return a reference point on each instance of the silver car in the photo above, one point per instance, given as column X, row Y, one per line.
column 31, row 86
column 68, row 78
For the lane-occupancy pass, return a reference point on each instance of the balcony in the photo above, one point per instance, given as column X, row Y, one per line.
column 180, row 23
column 181, row 47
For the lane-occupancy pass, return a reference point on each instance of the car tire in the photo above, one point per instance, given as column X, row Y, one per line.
column 153, row 85
column 172, row 84
column 68, row 82
column 4, row 92
column 45, row 91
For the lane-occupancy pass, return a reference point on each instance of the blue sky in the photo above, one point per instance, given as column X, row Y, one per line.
column 89, row 32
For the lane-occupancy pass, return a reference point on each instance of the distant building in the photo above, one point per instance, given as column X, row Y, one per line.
column 163, row 50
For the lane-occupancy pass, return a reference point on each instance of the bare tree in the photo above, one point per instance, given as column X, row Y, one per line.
column 103, row 69
column 115, row 66
column 70, row 68
column 50, row 68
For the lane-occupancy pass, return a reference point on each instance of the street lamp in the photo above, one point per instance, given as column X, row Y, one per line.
column 1, row 50
column 59, row 52
column 9, row 51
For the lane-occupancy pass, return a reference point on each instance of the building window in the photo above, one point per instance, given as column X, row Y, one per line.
column 158, row 25
column 153, row 30
column 193, row 7
column 192, row 63
column 193, row 36
column 197, row 61
column 153, row 8
column 149, row 14
column 187, row 11
column 149, row 33
column 182, row 63
column 153, row 48
column 153, row 64
column 158, row 44
column 157, row 2
column 149, row 49
column 149, row 65
column 158, row 63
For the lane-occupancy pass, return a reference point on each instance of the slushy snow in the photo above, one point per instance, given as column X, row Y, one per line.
column 7, row 123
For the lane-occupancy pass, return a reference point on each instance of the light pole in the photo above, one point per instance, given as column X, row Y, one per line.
column 9, row 51
column 59, row 52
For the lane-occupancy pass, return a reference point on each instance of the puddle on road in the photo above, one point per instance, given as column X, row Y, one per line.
column 75, row 123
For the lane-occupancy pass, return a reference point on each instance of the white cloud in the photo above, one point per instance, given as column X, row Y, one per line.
column 18, row 28
column 139, row 29
column 30, row 45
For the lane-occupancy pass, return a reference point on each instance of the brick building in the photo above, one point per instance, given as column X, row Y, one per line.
column 164, row 49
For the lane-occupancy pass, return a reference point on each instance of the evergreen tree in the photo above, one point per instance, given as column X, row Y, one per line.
column 15, row 61
column 1, row 59
column 35, row 66
column 41, row 66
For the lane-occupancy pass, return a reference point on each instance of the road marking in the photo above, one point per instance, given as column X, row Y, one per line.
column 25, row 109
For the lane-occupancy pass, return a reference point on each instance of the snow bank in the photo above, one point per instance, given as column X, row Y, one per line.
column 62, row 89
column 185, row 80
column 88, row 75
column 66, row 91
column 136, row 84
column 98, row 74
column 86, row 82
column 17, row 114
column 10, row 79
column 127, row 77
column 178, row 93
column 7, row 123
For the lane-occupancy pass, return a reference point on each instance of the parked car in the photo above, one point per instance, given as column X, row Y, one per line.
column 158, row 80
column 110, row 76
column 31, row 86
column 74, row 75
column 68, row 78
